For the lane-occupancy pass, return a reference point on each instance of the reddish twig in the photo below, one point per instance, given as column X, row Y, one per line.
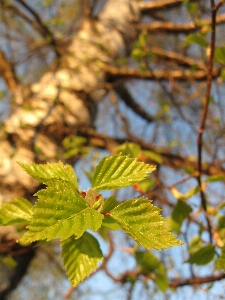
column 205, row 109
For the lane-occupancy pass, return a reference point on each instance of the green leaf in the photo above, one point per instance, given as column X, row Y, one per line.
column 180, row 212
column 220, row 262
column 80, row 257
column 46, row 173
column 161, row 278
column 15, row 211
column 61, row 212
column 130, row 149
column 197, row 39
column 219, row 55
column 203, row 256
column 109, row 204
column 145, row 185
column 147, row 261
column 150, row 264
column 154, row 156
column 190, row 193
column 141, row 221
column 215, row 178
column 119, row 171
column 108, row 222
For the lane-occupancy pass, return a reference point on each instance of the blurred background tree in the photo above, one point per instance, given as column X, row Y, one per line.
column 81, row 78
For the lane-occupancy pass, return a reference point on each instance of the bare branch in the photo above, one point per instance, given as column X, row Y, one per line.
column 187, row 28
column 158, row 75
column 48, row 35
column 147, row 7
column 198, row 280
column 127, row 98
column 7, row 72
column 179, row 58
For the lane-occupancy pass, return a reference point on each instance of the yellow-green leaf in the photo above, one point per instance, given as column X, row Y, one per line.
column 141, row 221
column 80, row 257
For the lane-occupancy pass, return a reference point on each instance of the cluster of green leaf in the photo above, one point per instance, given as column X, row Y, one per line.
column 62, row 211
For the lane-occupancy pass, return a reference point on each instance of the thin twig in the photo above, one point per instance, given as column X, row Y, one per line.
column 45, row 30
column 205, row 111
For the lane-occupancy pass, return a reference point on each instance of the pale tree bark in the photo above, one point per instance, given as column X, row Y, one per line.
column 63, row 100
column 64, row 97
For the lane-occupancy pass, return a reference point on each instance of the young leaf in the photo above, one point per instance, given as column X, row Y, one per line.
column 119, row 171
column 180, row 212
column 141, row 221
column 129, row 149
column 46, row 173
column 109, row 204
column 61, row 212
column 147, row 261
column 202, row 256
column 80, row 257
column 108, row 222
column 150, row 264
column 15, row 211
column 220, row 262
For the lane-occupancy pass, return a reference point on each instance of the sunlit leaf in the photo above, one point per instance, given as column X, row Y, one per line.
column 80, row 257
column 203, row 256
column 141, row 221
column 46, row 173
column 61, row 212
column 119, row 171
column 15, row 211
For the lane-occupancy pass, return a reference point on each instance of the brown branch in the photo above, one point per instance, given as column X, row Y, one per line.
column 179, row 58
column 44, row 30
column 147, row 7
column 127, row 98
column 171, row 160
column 187, row 28
column 205, row 111
column 198, row 280
column 159, row 75
column 7, row 72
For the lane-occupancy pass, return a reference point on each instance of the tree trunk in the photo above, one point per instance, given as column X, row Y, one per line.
column 64, row 99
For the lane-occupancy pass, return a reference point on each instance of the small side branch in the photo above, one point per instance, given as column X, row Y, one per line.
column 48, row 35
column 205, row 111
column 7, row 72
column 187, row 28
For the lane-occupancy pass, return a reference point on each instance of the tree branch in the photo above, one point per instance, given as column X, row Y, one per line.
column 44, row 30
column 7, row 72
column 159, row 75
column 179, row 58
column 205, row 111
column 171, row 160
column 198, row 280
column 187, row 28
column 147, row 7
column 127, row 98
